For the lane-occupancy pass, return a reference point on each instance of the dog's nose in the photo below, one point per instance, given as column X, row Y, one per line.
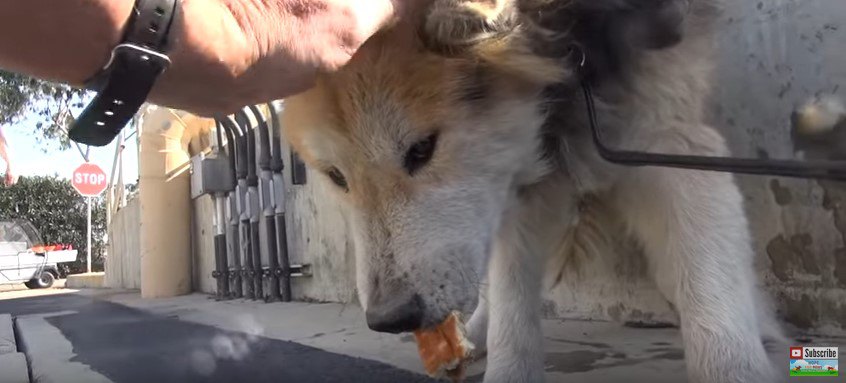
column 396, row 315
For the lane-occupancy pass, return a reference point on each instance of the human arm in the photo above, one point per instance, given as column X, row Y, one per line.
column 225, row 53
column 10, row 178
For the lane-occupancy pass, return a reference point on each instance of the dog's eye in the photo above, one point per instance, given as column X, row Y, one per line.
column 420, row 154
column 338, row 178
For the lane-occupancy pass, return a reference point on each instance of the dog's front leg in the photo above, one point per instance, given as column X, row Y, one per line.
column 515, row 342
column 477, row 326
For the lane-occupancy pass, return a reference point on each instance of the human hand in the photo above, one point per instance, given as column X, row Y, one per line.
column 232, row 53
column 10, row 177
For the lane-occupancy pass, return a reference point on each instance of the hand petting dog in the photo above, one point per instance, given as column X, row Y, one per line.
column 233, row 53
column 225, row 53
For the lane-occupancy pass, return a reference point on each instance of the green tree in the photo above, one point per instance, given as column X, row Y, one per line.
column 53, row 206
column 49, row 102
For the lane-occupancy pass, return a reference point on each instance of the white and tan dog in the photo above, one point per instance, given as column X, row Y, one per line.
column 462, row 151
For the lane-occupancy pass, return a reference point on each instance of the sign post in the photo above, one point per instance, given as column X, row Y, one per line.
column 90, row 181
column 88, row 252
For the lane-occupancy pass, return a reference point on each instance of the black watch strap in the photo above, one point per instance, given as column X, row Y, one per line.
column 125, row 82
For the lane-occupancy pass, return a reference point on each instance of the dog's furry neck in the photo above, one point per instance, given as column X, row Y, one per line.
column 615, row 65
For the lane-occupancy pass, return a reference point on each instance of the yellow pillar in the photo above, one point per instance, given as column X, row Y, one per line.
column 165, row 206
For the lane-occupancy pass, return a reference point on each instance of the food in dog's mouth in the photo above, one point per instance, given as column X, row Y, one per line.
column 444, row 348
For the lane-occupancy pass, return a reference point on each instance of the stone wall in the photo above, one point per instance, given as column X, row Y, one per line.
column 776, row 55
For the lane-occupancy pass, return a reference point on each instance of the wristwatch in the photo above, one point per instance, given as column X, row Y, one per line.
column 123, row 85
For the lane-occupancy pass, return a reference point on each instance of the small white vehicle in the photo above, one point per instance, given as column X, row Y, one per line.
column 25, row 259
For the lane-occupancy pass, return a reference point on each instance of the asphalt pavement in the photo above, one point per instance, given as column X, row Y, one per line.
column 126, row 345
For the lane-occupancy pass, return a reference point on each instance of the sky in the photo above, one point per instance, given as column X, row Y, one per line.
column 29, row 158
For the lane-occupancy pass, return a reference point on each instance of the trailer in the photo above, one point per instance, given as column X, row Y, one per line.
column 24, row 258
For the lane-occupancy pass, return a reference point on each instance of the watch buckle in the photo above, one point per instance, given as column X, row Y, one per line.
column 146, row 54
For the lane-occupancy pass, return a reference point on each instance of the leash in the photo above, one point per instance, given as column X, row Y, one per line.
column 817, row 169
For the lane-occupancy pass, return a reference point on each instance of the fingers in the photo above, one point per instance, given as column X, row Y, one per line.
column 370, row 16
column 10, row 178
column 230, row 53
column 350, row 23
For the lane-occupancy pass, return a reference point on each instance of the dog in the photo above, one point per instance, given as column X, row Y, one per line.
column 459, row 143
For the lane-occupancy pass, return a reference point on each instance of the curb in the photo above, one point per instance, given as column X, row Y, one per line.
column 85, row 281
column 49, row 354
column 7, row 335
column 13, row 366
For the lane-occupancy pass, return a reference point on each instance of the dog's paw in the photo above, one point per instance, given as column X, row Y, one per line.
column 454, row 26
column 477, row 334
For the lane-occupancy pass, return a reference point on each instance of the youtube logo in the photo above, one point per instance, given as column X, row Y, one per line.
column 796, row 353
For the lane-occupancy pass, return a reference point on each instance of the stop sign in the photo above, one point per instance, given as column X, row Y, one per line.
column 89, row 180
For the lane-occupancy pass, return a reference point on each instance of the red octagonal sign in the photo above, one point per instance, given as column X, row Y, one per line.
column 89, row 180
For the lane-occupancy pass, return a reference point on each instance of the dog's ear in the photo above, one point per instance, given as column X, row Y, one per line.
column 493, row 32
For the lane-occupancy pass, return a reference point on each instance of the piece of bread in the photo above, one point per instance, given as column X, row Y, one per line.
column 444, row 348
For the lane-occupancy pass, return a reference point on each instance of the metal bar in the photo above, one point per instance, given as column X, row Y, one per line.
column 833, row 170
column 88, row 255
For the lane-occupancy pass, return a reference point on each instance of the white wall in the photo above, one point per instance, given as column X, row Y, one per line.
column 123, row 261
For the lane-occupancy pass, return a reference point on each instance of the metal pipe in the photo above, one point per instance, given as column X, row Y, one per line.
column 220, row 205
column 278, row 196
column 237, row 274
column 221, row 272
column 253, row 211
column 252, row 257
column 267, row 206
column 233, row 275
column 276, row 163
